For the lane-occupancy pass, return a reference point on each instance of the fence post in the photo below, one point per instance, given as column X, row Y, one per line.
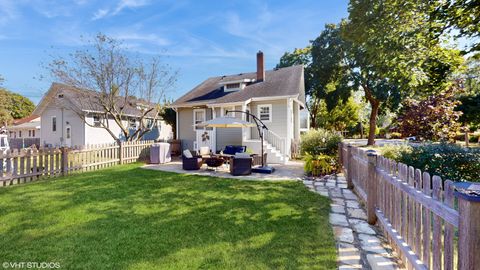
column 64, row 160
column 468, row 231
column 349, row 167
column 120, row 152
column 372, row 188
column 340, row 154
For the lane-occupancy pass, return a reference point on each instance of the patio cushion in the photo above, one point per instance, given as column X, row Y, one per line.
column 242, row 155
column 187, row 153
column 233, row 149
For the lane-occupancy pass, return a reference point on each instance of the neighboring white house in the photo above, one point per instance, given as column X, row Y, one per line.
column 276, row 96
column 28, row 127
column 61, row 124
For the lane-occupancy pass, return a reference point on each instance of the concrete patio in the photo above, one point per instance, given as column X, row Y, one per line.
column 293, row 170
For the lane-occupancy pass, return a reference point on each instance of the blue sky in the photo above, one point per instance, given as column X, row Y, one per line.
column 198, row 38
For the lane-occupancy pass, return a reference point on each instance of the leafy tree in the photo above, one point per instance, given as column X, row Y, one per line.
column 392, row 53
column 117, row 79
column 14, row 106
column 433, row 118
column 470, row 108
column 463, row 16
column 312, row 91
column 342, row 117
column 169, row 115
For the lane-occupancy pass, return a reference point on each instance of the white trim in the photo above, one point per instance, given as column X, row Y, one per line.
column 270, row 112
column 227, row 108
column 176, row 124
column 204, row 117
column 237, row 81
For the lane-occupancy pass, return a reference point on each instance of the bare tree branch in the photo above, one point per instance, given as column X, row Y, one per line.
column 121, row 86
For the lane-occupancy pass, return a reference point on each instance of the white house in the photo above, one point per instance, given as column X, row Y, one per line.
column 62, row 125
column 276, row 96
column 27, row 127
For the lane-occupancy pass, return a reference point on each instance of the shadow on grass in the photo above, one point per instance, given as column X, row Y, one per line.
column 130, row 218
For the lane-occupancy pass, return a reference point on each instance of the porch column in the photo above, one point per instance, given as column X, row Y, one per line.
column 244, row 117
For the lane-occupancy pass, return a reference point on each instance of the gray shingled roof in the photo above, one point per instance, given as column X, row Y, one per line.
column 287, row 81
column 86, row 100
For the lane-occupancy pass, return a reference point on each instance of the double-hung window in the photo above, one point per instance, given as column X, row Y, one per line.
column 265, row 112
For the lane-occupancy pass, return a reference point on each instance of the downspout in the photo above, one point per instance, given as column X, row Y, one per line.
column 63, row 130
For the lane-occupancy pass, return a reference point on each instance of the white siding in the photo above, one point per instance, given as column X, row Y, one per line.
column 279, row 117
column 64, row 116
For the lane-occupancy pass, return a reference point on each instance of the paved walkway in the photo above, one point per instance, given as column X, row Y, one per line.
column 360, row 245
column 293, row 170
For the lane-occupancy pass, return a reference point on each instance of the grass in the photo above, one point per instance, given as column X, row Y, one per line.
column 130, row 218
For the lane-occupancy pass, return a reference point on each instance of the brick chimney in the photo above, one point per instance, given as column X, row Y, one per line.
column 260, row 67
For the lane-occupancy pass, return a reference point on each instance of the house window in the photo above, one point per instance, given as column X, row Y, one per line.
column 132, row 123
column 19, row 133
column 29, row 133
column 54, row 123
column 33, row 133
column 96, row 120
column 198, row 117
column 69, row 133
column 233, row 85
column 265, row 112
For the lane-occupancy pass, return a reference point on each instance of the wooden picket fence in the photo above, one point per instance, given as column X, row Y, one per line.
column 424, row 222
column 26, row 165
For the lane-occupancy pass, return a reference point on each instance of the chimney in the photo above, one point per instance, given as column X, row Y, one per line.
column 260, row 67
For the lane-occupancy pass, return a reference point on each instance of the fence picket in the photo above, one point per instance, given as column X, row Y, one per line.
column 437, row 226
column 449, row 229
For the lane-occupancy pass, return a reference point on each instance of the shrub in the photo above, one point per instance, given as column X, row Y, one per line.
column 473, row 138
column 449, row 161
column 395, row 152
column 395, row 135
column 320, row 141
column 320, row 164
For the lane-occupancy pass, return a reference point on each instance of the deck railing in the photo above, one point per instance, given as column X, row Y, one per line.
column 276, row 141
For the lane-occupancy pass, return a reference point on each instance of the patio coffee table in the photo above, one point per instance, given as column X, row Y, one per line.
column 214, row 162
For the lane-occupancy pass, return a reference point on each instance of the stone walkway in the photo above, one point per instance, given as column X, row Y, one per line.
column 360, row 245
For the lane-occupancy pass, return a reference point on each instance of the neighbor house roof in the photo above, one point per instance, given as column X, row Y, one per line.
column 31, row 118
column 282, row 82
column 86, row 100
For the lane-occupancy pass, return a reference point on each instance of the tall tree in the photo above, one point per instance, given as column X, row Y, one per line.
column 313, row 93
column 393, row 52
column 463, row 17
column 119, row 81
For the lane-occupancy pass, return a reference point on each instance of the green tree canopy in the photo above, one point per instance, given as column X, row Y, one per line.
column 14, row 106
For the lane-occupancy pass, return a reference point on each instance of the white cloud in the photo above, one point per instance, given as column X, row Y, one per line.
column 100, row 14
column 121, row 5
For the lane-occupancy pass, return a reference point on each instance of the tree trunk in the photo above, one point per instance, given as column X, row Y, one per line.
column 373, row 121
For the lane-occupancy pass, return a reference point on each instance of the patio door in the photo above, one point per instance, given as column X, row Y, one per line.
column 205, row 137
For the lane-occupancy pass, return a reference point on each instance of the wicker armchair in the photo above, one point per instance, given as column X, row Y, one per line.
column 240, row 165
column 193, row 163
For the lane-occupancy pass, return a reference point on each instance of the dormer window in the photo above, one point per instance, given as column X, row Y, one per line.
column 231, row 86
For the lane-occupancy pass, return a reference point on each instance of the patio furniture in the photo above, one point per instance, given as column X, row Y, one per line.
column 241, row 164
column 233, row 149
column 214, row 162
column 191, row 162
column 205, row 152
column 160, row 153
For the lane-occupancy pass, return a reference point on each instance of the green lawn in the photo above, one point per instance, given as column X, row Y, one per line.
column 130, row 218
